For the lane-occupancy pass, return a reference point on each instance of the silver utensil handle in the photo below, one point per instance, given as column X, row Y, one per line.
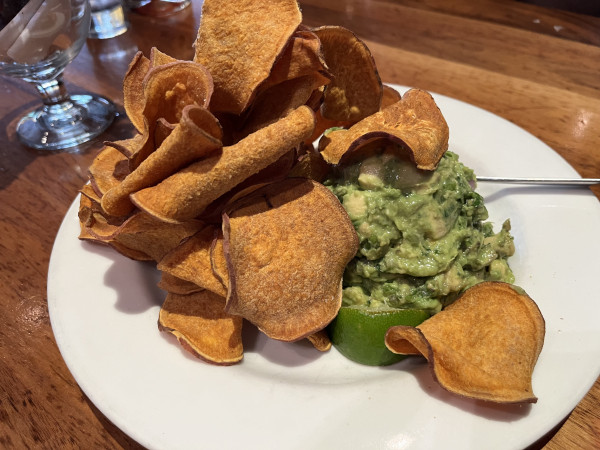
column 547, row 181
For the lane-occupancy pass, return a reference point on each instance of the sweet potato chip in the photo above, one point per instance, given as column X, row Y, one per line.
column 176, row 285
column 133, row 94
column 390, row 96
column 201, row 326
column 356, row 89
column 144, row 233
column 415, row 123
column 238, row 43
column 197, row 134
column 302, row 56
column 485, row 345
column 185, row 194
column 191, row 261
column 320, row 340
column 286, row 246
column 277, row 101
column 107, row 170
column 158, row 58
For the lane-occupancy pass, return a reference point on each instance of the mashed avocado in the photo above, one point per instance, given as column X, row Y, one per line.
column 423, row 235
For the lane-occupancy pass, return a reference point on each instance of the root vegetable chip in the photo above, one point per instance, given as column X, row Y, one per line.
column 484, row 346
column 356, row 89
column 185, row 194
column 201, row 326
column 191, row 261
column 144, row 233
column 238, row 42
column 167, row 90
column 286, row 246
column 197, row 134
column 320, row 340
column 302, row 56
column 175, row 285
column 107, row 170
column 133, row 94
column 415, row 122
column 390, row 96
column 277, row 101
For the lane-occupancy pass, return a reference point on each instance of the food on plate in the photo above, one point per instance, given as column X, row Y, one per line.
column 414, row 122
column 484, row 346
column 358, row 332
column 286, row 247
column 355, row 91
column 202, row 326
column 277, row 183
column 423, row 236
column 239, row 43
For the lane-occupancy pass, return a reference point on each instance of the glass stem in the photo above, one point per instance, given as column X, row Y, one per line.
column 58, row 110
column 52, row 91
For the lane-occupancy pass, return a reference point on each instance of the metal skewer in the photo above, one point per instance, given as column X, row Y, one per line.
column 550, row 181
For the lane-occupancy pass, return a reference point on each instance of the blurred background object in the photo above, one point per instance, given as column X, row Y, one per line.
column 107, row 20
column 157, row 8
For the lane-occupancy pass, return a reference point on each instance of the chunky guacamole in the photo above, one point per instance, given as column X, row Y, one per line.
column 423, row 235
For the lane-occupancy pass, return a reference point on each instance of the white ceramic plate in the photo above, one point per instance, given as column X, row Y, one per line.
column 104, row 310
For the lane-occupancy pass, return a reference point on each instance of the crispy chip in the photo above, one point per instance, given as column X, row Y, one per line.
column 302, row 56
column 286, row 246
column 356, row 89
column 191, row 261
column 158, row 58
column 176, row 285
column 133, row 94
column 187, row 193
column 197, row 134
column 415, row 122
column 167, row 90
column 107, row 170
column 484, row 346
column 320, row 340
column 238, row 43
column 162, row 131
column 390, row 96
column 201, row 326
column 142, row 232
column 277, row 101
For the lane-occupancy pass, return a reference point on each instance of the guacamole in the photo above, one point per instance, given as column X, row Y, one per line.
column 423, row 235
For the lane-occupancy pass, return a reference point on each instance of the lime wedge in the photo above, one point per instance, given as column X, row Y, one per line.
column 358, row 333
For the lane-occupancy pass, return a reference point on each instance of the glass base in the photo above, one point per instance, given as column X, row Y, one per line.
column 67, row 124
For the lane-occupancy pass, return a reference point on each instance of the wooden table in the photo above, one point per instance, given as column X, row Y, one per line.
column 536, row 67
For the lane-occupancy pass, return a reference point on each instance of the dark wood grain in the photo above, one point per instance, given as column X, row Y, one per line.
column 538, row 68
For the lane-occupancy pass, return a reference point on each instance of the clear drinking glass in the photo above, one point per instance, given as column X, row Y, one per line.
column 38, row 38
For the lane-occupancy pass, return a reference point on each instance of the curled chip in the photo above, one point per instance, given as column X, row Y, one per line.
column 238, row 42
column 186, row 194
column 202, row 327
column 390, row 96
column 286, row 247
column 484, row 346
column 176, row 285
column 107, row 170
column 415, row 122
column 197, row 134
column 191, row 260
column 143, row 233
column 356, row 89
column 320, row 340
column 133, row 94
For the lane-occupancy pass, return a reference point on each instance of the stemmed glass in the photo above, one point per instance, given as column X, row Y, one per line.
column 38, row 38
